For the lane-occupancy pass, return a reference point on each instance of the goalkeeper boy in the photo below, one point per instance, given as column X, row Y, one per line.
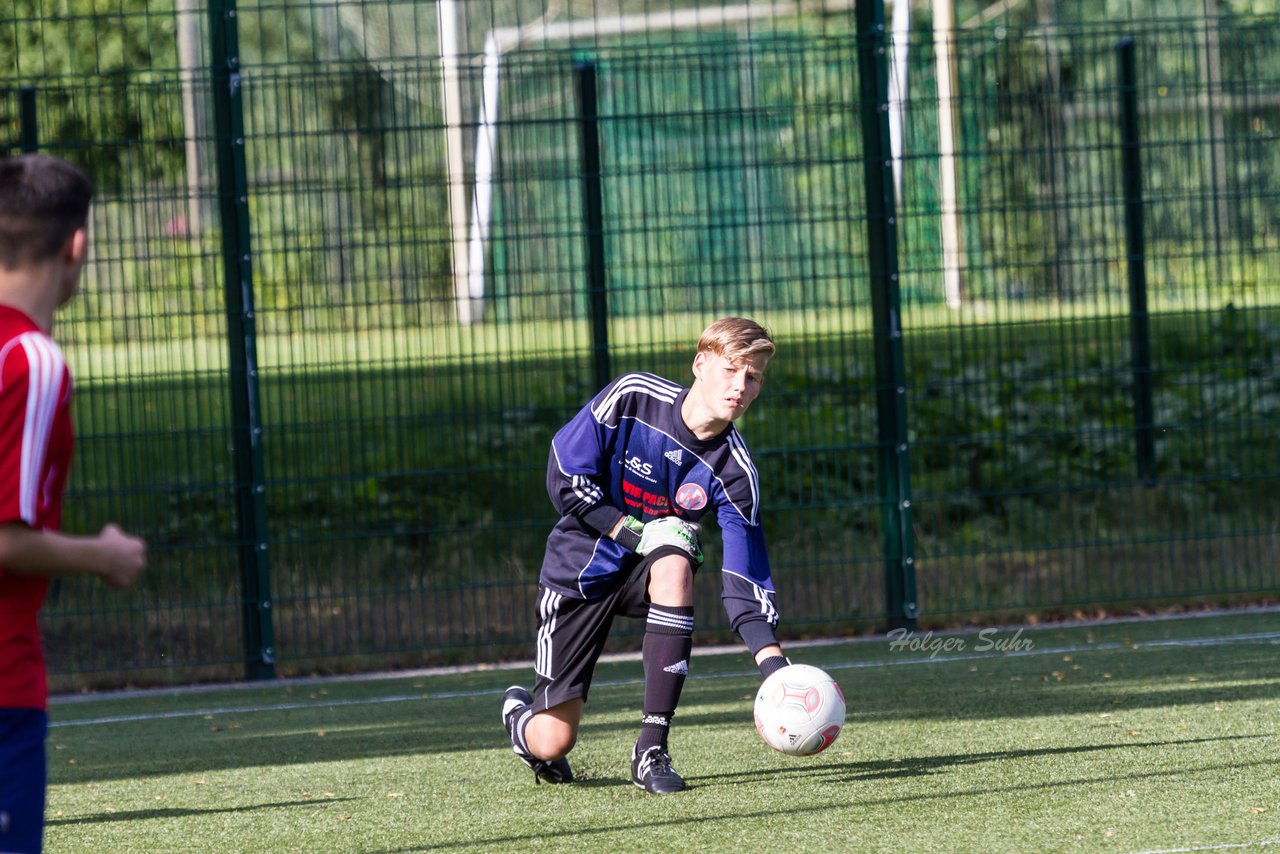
column 631, row 474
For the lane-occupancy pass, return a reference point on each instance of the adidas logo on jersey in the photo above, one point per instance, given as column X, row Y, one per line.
column 680, row 668
column 675, row 456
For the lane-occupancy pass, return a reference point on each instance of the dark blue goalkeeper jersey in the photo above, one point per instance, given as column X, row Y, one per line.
column 629, row 451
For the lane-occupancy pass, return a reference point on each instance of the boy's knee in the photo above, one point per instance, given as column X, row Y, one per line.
column 553, row 733
column 671, row 581
column 552, row 740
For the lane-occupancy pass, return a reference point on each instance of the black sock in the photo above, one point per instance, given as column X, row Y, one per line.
column 516, row 723
column 668, row 638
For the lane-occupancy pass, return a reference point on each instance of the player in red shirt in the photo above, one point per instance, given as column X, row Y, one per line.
column 44, row 210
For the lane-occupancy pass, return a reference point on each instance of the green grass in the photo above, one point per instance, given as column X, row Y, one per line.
column 1122, row 736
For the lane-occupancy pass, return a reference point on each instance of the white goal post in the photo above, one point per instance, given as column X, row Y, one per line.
column 469, row 253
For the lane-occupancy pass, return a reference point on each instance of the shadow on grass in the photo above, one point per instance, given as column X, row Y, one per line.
column 427, row 725
column 180, row 812
column 855, row 772
column 923, row 765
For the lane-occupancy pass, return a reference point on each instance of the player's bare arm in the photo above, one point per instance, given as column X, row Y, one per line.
column 113, row 556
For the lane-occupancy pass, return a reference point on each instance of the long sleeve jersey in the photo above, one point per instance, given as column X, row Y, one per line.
column 629, row 451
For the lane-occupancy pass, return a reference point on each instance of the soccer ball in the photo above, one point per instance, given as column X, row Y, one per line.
column 799, row 710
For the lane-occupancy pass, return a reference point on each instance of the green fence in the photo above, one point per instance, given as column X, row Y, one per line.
column 343, row 291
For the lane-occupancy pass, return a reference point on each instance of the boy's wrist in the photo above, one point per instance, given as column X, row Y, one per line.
column 628, row 532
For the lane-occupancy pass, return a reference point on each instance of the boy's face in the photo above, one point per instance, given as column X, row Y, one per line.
column 728, row 388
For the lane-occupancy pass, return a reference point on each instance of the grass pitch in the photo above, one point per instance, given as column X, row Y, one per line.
column 1152, row 735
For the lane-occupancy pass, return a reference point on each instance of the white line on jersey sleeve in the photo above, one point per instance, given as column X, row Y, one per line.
column 45, row 369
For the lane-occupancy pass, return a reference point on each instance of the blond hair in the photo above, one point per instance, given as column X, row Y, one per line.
column 736, row 339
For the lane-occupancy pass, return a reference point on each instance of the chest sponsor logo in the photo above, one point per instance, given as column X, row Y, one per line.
column 637, row 466
column 651, row 503
column 691, row 496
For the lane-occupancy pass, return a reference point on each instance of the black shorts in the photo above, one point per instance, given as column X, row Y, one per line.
column 572, row 633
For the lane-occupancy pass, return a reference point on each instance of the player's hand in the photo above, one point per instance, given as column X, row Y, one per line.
column 124, row 556
column 671, row 531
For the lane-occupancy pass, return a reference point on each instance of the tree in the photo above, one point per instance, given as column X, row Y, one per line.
column 89, row 63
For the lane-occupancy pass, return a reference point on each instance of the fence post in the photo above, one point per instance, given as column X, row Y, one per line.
column 1139, row 317
column 28, row 132
column 882, row 258
column 584, row 75
column 246, row 414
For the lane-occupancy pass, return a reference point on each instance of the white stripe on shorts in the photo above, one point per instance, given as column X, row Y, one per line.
column 548, row 608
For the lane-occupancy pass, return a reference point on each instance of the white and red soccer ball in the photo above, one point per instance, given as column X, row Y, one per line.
column 799, row 710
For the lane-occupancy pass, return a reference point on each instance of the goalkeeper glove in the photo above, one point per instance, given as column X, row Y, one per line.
column 666, row 531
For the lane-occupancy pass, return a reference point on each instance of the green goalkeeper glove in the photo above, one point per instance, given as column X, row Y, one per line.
column 667, row 531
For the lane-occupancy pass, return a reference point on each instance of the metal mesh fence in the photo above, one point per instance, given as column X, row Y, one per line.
column 320, row 248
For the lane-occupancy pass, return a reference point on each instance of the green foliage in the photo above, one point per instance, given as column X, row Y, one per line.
column 739, row 174
column 91, row 63
column 82, row 38
column 1073, row 12
column 1039, row 134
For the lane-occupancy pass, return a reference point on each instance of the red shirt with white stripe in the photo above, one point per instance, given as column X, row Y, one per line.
column 36, row 442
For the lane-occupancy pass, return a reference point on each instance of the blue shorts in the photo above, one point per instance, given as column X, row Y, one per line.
column 22, row 779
